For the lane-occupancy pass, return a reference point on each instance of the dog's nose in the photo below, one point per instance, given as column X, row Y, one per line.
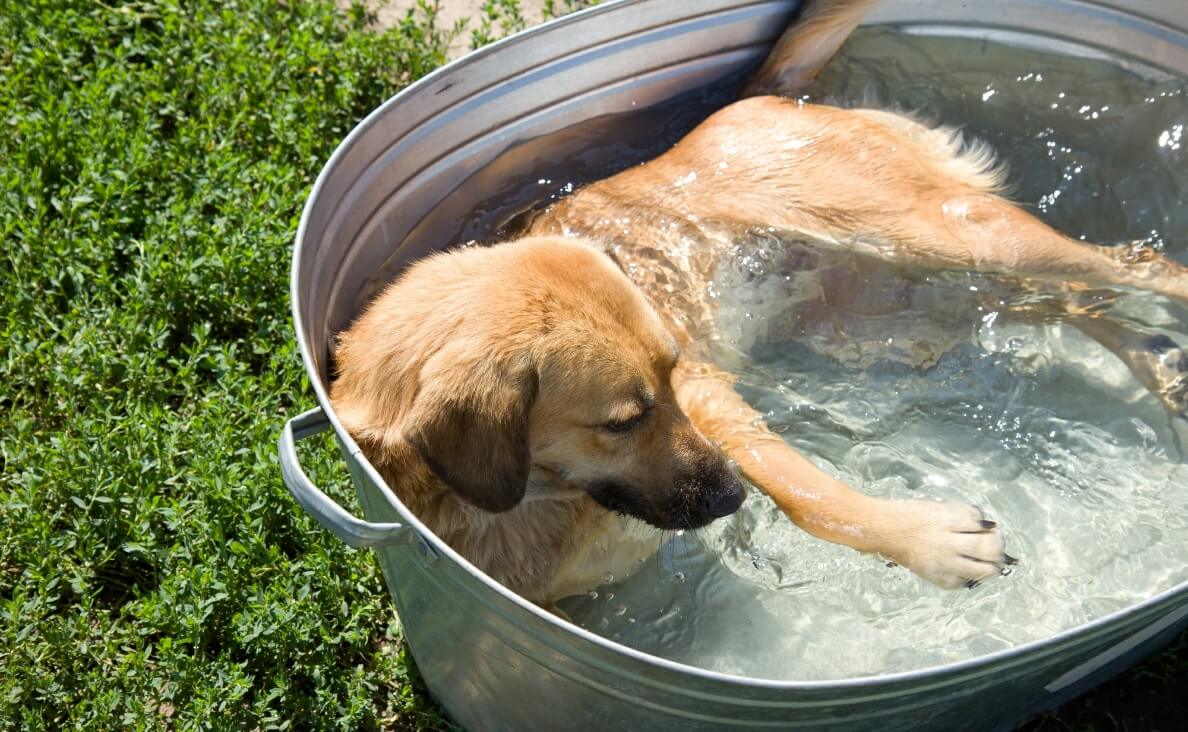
column 724, row 501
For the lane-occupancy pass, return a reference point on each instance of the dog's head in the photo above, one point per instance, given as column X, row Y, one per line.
column 535, row 363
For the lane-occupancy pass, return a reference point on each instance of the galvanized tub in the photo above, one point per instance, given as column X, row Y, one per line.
column 395, row 189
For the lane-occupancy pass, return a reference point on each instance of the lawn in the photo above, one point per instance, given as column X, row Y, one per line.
column 154, row 571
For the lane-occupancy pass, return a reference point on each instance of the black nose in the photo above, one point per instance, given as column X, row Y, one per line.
column 723, row 501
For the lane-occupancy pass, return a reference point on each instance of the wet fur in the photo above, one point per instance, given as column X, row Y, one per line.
column 503, row 364
column 477, row 382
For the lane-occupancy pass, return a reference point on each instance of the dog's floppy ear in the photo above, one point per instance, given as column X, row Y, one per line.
column 469, row 423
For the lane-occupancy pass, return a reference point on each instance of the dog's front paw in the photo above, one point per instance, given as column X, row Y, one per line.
column 949, row 544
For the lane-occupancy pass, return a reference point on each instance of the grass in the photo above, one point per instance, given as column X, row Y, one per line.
column 154, row 572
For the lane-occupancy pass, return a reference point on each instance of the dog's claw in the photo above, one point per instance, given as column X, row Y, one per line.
column 1009, row 560
column 969, row 585
column 988, row 524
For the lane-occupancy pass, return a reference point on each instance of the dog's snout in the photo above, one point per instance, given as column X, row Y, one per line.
column 724, row 498
column 723, row 503
column 719, row 491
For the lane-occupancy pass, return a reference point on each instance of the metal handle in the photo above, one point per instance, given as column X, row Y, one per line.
column 354, row 532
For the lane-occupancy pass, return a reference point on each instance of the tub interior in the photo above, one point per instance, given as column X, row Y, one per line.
column 405, row 185
column 1040, row 427
column 1047, row 434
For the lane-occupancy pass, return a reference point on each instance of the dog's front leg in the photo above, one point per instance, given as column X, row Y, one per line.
column 949, row 544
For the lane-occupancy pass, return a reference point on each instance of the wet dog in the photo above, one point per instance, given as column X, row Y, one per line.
column 546, row 404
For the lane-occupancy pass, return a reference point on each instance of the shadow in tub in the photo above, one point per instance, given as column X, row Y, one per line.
column 496, row 199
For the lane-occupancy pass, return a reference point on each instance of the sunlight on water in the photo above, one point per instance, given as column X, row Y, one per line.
column 1039, row 425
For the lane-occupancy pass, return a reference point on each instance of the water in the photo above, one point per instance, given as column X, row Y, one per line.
column 1038, row 425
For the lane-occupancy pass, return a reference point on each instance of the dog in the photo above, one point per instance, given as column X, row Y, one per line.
column 546, row 405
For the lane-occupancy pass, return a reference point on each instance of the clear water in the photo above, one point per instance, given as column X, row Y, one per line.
column 1038, row 425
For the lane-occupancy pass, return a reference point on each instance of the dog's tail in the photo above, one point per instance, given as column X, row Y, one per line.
column 806, row 46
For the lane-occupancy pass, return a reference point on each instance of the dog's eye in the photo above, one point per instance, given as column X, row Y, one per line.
column 624, row 425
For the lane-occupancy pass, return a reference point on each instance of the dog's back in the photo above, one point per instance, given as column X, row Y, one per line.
column 827, row 186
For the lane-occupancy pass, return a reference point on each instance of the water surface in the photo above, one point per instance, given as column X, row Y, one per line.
column 1039, row 425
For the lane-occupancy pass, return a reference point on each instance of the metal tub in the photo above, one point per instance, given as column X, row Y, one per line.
column 395, row 189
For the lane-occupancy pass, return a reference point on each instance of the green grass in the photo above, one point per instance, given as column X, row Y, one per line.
column 153, row 569
column 154, row 572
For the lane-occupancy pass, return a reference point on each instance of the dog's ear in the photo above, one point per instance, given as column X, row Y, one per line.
column 469, row 423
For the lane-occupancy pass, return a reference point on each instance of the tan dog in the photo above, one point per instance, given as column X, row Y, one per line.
column 542, row 403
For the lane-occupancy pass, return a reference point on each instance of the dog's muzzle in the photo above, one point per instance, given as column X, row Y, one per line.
column 723, row 503
column 719, row 494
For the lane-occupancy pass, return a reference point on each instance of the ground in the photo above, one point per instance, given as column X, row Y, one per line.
column 478, row 21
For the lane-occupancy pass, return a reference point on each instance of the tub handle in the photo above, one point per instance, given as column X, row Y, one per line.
column 353, row 531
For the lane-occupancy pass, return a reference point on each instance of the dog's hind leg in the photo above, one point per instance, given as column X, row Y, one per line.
column 881, row 184
column 934, row 202
column 1157, row 361
column 985, row 233
column 806, row 47
column 949, row 544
